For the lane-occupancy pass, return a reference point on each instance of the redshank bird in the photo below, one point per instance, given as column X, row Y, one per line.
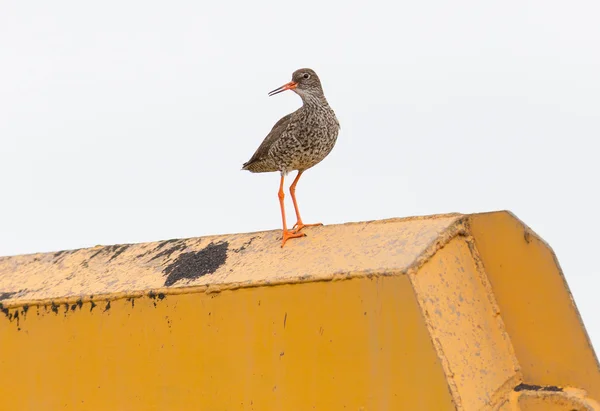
column 298, row 141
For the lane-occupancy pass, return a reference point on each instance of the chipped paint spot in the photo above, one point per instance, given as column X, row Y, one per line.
column 119, row 251
column 59, row 253
column 164, row 243
column 4, row 310
column 96, row 254
column 116, row 251
column 7, row 295
column 153, row 295
column 527, row 235
column 178, row 245
column 194, row 265
column 244, row 246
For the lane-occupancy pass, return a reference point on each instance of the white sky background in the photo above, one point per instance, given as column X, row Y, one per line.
column 129, row 121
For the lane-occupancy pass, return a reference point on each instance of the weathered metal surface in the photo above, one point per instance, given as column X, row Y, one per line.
column 389, row 246
column 535, row 303
column 462, row 317
column 432, row 313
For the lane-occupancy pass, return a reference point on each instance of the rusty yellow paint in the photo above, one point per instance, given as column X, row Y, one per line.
column 466, row 312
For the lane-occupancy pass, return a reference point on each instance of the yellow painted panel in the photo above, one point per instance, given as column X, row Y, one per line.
column 535, row 303
column 462, row 319
column 359, row 344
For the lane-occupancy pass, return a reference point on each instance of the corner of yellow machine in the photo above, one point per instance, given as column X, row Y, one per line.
column 467, row 312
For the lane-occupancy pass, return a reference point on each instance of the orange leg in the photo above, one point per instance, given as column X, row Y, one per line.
column 286, row 233
column 299, row 224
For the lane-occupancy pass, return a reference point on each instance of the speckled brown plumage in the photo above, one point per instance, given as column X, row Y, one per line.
column 303, row 138
column 299, row 140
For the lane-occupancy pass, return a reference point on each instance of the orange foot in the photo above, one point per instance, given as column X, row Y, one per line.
column 300, row 225
column 290, row 234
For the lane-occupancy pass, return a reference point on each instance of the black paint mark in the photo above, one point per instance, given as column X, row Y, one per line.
column 79, row 303
column 95, row 254
column 58, row 256
column 164, row 243
column 4, row 310
column 194, row 265
column 54, row 308
column 107, row 307
column 66, row 308
column 16, row 316
column 244, row 246
column 73, row 307
column 161, row 296
column 153, row 295
column 529, row 387
column 25, row 309
column 132, row 301
column 158, row 247
column 284, row 320
column 119, row 251
column 115, row 249
column 178, row 245
column 7, row 295
column 93, row 305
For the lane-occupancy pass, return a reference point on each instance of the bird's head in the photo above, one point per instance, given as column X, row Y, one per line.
column 305, row 83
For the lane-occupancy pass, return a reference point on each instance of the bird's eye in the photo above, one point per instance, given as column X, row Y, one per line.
column 306, row 76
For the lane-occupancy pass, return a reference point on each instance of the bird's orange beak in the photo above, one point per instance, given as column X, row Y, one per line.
column 289, row 86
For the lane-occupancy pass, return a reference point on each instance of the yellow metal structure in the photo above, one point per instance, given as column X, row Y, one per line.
column 448, row 312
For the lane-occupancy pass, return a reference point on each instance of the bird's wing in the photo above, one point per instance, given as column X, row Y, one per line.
column 271, row 138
